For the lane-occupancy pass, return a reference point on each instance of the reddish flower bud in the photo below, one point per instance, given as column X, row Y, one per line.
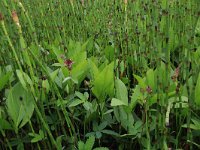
column 149, row 89
column 69, row 63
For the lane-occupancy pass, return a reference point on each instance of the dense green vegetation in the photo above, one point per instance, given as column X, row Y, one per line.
column 99, row 74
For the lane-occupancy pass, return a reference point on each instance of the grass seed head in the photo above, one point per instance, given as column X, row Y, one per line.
column 125, row 2
column 15, row 17
column 82, row 2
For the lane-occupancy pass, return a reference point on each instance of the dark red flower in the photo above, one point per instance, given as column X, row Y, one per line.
column 68, row 63
column 149, row 89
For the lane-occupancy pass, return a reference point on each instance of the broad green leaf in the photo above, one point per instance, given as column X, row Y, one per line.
column 98, row 134
column 136, row 97
column 19, row 105
column 54, row 74
column 80, row 95
column 75, row 102
column 84, row 45
column 89, row 143
column 87, row 105
column 121, row 91
column 24, row 78
column 102, row 126
column 5, row 125
column 76, row 51
column 104, row 82
column 80, row 71
column 109, row 53
column 81, row 145
column 197, row 91
column 123, row 117
column 21, row 78
column 117, row 102
column 58, row 54
column 4, row 79
column 94, row 71
column 141, row 81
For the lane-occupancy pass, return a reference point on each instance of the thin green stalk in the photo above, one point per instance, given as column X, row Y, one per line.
column 11, row 45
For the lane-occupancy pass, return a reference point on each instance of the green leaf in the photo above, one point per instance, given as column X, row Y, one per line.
column 197, row 91
column 89, row 143
column 141, row 81
column 87, row 105
column 80, row 95
column 5, row 125
column 19, row 105
column 4, row 79
column 136, row 96
column 54, row 74
column 109, row 53
column 121, row 91
column 194, row 126
column 84, row 45
column 150, row 79
column 117, row 102
column 81, row 145
column 80, row 71
column 94, row 71
column 58, row 53
column 37, row 137
column 110, row 132
column 59, row 141
column 104, row 82
column 98, row 135
column 20, row 146
column 102, row 126
column 21, row 78
column 75, row 102
column 24, row 78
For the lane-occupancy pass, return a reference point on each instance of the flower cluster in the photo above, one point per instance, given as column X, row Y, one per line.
column 68, row 63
